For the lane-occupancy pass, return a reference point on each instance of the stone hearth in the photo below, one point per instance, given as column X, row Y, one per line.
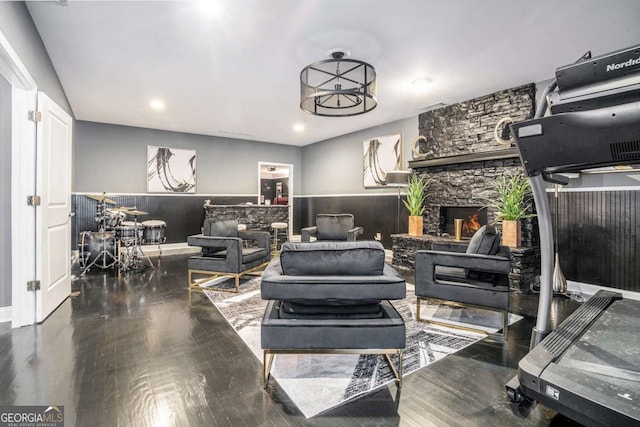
column 525, row 262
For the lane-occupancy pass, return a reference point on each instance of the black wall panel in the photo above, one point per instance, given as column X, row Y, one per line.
column 597, row 237
column 183, row 214
column 376, row 214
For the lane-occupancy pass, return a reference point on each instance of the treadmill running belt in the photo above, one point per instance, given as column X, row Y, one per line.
column 596, row 379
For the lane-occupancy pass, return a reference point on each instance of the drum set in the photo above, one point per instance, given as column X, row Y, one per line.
column 118, row 243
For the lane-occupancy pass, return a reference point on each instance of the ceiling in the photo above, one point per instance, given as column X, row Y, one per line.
column 232, row 68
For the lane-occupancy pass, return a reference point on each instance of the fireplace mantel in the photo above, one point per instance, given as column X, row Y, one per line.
column 464, row 158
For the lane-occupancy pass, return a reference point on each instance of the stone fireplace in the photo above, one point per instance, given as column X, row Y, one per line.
column 462, row 161
column 467, row 185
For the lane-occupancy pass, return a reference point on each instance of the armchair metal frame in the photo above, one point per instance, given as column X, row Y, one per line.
column 495, row 264
column 499, row 337
column 195, row 285
column 317, row 307
column 231, row 265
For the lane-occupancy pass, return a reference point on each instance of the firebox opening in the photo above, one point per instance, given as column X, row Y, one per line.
column 474, row 217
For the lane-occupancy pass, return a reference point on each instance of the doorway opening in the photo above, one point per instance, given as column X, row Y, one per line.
column 275, row 186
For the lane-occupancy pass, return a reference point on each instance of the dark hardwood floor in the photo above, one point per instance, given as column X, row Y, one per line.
column 130, row 351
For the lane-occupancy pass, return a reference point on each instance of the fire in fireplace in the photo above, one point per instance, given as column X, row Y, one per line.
column 474, row 217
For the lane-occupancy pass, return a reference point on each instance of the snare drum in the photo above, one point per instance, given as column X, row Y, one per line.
column 97, row 246
column 154, row 232
column 127, row 231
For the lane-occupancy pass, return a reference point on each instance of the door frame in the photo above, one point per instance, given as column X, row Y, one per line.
column 23, row 183
column 290, row 166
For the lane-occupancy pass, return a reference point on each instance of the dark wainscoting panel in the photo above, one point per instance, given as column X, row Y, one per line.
column 183, row 214
column 598, row 241
column 297, row 214
column 376, row 214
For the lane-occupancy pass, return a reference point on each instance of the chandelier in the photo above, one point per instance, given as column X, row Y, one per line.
column 338, row 87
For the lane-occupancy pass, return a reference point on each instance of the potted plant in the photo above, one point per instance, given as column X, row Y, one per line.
column 513, row 203
column 415, row 197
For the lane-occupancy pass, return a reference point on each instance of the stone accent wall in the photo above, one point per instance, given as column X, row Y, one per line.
column 256, row 217
column 468, row 127
column 469, row 184
column 405, row 247
column 525, row 269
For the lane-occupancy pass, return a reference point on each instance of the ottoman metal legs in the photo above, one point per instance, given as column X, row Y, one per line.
column 269, row 355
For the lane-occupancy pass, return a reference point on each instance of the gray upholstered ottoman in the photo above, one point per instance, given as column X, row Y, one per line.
column 332, row 297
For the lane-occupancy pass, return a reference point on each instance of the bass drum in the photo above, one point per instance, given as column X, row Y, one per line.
column 99, row 247
column 154, row 232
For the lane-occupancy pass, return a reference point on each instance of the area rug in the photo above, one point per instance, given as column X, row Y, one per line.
column 318, row 383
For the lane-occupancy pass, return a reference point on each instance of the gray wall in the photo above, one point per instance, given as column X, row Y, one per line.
column 334, row 166
column 113, row 159
column 5, row 193
column 17, row 26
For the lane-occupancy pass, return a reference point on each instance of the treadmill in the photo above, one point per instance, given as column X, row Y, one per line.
column 588, row 368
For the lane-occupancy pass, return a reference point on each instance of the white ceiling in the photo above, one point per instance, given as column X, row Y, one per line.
column 233, row 70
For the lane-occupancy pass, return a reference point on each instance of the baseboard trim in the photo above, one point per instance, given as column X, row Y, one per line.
column 588, row 289
column 5, row 314
column 170, row 249
column 154, row 250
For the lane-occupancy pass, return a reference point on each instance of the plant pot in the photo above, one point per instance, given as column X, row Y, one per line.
column 511, row 233
column 415, row 225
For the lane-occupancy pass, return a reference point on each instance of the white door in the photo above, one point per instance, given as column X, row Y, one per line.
column 53, row 228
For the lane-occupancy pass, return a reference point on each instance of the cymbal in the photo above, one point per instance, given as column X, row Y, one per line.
column 100, row 198
column 124, row 209
column 136, row 213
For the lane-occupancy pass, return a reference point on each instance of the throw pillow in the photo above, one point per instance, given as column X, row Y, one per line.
column 485, row 241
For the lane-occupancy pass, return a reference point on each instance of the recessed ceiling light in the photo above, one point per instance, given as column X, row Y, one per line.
column 421, row 84
column 157, row 104
column 210, row 7
column 298, row 127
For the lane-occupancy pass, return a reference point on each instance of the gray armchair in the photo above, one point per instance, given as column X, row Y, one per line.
column 335, row 227
column 477, row 277
column 224, row 255
column 332, row 297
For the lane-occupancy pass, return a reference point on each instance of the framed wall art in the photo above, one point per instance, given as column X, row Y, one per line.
column 380, row 155
column 171, row 170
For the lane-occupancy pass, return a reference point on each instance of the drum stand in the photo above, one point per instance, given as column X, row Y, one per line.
column 134, row 252
column 100, row 218
column 104, row 252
